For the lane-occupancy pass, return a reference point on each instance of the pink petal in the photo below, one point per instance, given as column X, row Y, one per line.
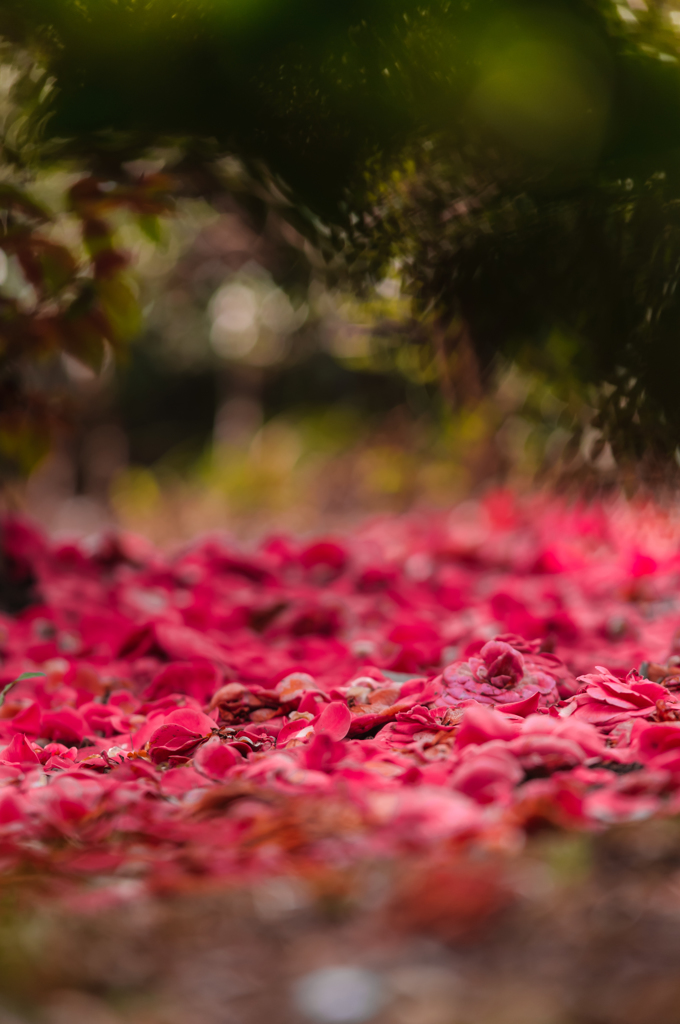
column 19, row 752
column 215, row 759
column 334, row 721
column 521, row 707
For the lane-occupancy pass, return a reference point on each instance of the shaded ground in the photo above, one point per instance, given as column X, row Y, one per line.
column 573, row 931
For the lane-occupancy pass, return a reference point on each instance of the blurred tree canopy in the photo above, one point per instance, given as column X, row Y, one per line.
column 315, row 91
column 516, row 163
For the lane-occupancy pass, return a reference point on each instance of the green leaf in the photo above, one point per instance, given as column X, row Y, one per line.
column 24, row 675
column 12, row 197
column 120, row 306
column 151, row 226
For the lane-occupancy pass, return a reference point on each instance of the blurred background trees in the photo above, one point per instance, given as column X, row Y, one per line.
column 444, row 236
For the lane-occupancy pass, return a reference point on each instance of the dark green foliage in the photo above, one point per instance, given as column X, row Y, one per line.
column 521, row 160
column 580, row 284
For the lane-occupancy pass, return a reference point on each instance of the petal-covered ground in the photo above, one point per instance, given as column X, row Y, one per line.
column 438, row 679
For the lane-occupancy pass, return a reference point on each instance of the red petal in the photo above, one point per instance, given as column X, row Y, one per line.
column 334, row 720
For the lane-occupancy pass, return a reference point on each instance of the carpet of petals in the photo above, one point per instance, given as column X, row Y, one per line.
column 217, row 713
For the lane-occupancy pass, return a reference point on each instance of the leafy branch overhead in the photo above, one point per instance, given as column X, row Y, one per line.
column 516, row 162
column 63, row 298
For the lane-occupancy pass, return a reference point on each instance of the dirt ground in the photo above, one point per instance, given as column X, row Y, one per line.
column 573, row 930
